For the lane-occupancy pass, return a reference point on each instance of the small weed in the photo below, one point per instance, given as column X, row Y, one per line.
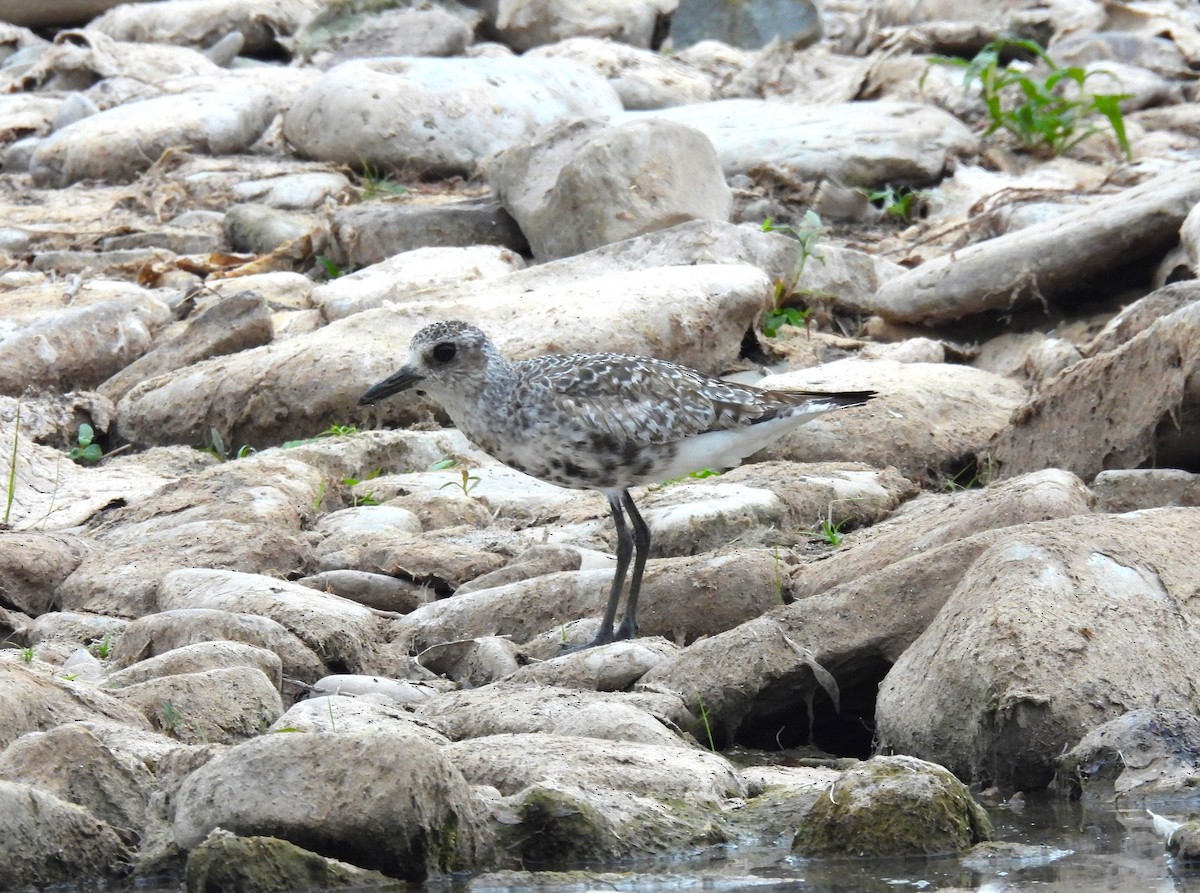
column 978, row 472
column 808, row 233
column 376, row 184
column 85, row 450
column 217, row 447
column 319, row 498
column 900, row 202
column 1036, row 110
column 832, row 532
column 367, row 498
column 468, row 483
column 12, row 468
column 443, row 464
column 778, row 317
column 27, row 655
column 332, row 431
column 697, row 475
column 170, row 716
column 102, row 648
column 704, row 721
column 332, row 270
column 69, row 677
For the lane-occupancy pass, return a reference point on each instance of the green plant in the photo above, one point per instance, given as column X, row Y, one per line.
column 217, row 447
column 27, row 654
column 12, row 468
column 85, row 450
column 332, row 270
column 808, row 233
column 102, row 648
column 704, row 721
column 897, row 201
column 697, row 475
column 468, row 483
column 170, row 716
column 319, row 498
column 376, row 184
column 979, row 471
column 334, row 430
column 443, row 464
column 367, row 498
column 778, row 575
column 832, row 532
column 1039, row 112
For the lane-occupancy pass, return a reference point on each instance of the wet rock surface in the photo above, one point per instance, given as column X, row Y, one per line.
column 258, row 636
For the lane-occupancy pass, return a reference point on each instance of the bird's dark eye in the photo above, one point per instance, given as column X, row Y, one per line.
column 444, row 352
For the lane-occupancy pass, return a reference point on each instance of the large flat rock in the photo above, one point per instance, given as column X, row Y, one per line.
column 857, row 143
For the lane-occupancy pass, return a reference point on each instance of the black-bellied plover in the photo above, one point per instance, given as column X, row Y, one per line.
column 603, row 421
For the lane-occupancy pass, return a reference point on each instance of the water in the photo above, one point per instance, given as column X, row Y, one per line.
column 1065, row 848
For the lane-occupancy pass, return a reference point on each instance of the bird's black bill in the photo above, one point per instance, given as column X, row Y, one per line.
column 402, row 380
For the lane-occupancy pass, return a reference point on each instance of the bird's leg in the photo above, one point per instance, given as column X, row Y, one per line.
column 641, row 539
column 624, row 553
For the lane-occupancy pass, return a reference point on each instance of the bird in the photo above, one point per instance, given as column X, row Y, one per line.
column 600, row 421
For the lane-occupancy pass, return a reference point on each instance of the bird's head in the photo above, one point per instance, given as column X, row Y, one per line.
column 444, row 359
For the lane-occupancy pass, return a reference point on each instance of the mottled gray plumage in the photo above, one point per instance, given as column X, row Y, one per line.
column 601, row 421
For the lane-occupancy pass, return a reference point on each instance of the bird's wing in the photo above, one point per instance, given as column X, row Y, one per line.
column 646, row 401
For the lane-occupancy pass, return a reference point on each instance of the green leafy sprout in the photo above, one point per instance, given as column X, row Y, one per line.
column 468, row 483
column 832, row 532
column 1044, row 117
column 366, row 498
column 334, row 430
column 332, row 270
column 85, row 449
column 375, row 184
column 102, row 648
column 697, row 475
column 900, row 202
column 217, row 447
column 170, row 716
column 780, row 314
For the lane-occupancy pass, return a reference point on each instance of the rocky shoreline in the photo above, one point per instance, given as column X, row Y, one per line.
column 260, row 638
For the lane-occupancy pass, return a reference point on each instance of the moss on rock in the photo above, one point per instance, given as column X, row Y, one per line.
column 559, row 830
column 226, row 863
column 893, row 806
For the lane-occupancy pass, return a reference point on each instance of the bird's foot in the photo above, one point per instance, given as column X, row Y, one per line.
column 604, row 637
column 627, row 630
